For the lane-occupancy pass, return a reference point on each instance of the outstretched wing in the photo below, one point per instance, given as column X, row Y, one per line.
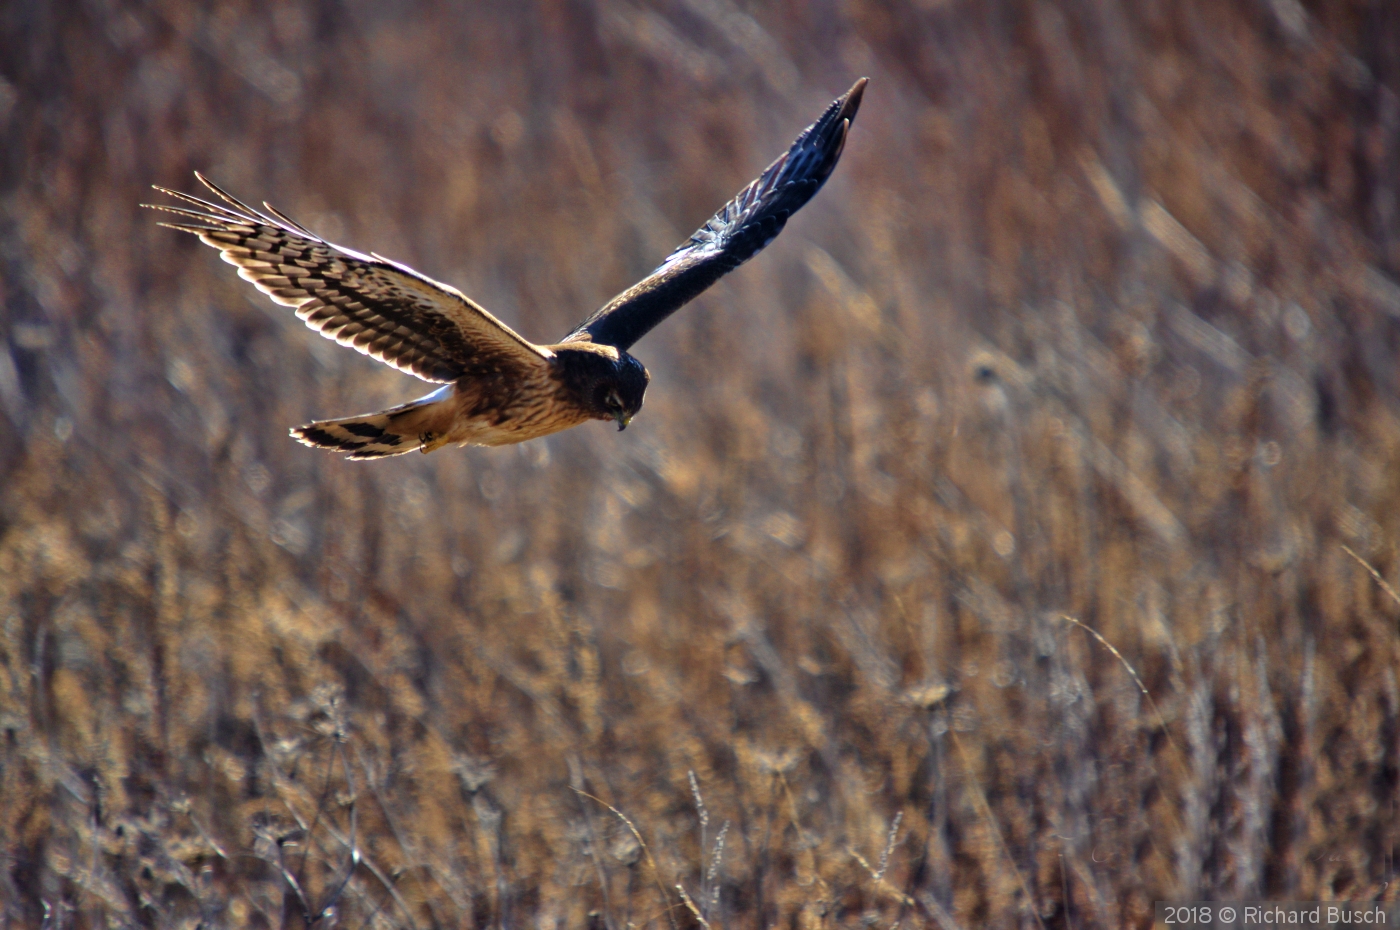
column 386, row 310
column 734, row 235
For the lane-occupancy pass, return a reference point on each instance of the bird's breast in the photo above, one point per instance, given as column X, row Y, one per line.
column 494, row 412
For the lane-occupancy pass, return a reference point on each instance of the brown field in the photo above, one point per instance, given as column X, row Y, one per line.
column 1097, row 319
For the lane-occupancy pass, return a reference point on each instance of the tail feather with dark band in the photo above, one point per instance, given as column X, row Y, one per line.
column 366, row 437
column 389, row 432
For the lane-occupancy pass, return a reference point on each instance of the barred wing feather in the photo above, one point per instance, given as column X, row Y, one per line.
column 381, row 308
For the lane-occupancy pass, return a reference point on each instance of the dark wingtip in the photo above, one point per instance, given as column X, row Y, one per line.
column 850, row 101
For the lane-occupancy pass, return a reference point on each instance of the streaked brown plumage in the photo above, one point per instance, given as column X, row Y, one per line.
column 499, row 388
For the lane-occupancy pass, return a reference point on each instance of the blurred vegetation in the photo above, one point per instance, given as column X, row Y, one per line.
column 1098, row 318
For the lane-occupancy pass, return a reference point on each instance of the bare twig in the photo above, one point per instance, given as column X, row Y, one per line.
column 576, row 777
column 646, row 850
column 986, row 809
column 353, row 855
column 1131, row 671
column 291, row 880
column 355, row 858
column 377, row 872
column 695, row 911
column 889, row 845
column 878, row 873
column 801, row 835
column 714, row 865
column 1374, row 574
column 391, row 819
column 704, row 816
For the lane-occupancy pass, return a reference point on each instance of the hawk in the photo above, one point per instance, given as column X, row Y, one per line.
column 497, row 387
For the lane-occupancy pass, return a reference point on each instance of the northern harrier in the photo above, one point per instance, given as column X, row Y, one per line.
column 498, row 388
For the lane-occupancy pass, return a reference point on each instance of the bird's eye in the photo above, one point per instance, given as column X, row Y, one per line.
column 612, row 401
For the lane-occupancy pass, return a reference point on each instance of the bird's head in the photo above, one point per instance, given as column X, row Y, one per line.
column 606, row 383
column 618, row 394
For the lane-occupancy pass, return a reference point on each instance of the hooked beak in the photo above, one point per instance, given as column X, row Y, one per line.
column 622, row 420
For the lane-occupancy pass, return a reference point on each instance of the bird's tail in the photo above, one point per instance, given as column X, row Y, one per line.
column 376, row 435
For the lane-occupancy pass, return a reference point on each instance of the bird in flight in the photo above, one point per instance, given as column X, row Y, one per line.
column 498, row 388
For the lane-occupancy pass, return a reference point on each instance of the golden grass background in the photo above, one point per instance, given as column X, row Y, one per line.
column 1098, row 317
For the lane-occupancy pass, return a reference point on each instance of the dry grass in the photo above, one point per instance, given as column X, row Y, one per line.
column 1098, row 318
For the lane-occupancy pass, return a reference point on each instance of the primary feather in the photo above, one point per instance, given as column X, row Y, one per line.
column 386, row 310
column 738, row 232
